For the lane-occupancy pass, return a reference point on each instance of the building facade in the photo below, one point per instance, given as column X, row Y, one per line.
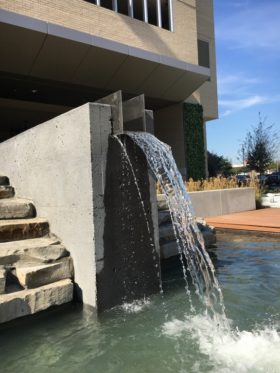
column 56, row 55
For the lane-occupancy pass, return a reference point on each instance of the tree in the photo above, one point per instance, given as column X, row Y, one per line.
column 258, row 149
column 218, row 164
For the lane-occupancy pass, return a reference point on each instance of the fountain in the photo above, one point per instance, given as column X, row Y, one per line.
column 114, row 241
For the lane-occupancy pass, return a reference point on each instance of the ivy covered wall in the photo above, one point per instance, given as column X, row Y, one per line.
column 194, row 141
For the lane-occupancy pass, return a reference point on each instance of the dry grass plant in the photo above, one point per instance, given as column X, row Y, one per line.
column 221, row 183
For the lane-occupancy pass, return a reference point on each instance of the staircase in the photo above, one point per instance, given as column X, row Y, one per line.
column 36, row 270
column 167, row 241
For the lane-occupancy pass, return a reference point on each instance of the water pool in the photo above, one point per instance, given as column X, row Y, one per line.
column 159, row 334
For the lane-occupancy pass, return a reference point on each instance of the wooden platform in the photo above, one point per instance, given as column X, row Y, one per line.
column 264, row 220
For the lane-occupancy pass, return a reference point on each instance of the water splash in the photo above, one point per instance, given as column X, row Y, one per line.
column 189, row 239
column 231, row 351
column 136, row 306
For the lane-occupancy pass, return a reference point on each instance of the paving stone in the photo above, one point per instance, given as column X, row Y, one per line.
column 11, row 230
column 34, row 276
column 30, row 301
column 2, row 281
column 4, row 180
column 6, row 191
column 16, row 208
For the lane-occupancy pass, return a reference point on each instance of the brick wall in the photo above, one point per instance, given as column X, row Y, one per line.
column 84, row 16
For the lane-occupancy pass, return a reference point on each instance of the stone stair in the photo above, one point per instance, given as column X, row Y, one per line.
column 168, row 245
column 36, row 270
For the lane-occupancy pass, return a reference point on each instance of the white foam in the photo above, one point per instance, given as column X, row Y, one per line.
column 231, row 351
column 136, row 306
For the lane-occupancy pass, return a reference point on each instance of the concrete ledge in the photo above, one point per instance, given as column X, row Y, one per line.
column 223, row 201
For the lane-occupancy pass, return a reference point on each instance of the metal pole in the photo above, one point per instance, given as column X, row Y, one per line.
column 97, row 2
column 145, row 11
column 159, row 21
column 130, row 8
column 115, row 5
column 170, row 14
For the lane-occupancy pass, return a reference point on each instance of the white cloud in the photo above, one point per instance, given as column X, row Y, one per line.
column 253, row 25
column 236, row 84
column 232, row 105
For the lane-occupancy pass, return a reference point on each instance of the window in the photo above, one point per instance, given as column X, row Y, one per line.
column 155, row 12
column 203, row 53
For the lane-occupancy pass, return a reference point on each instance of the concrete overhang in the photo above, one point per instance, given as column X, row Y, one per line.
column 39, row 49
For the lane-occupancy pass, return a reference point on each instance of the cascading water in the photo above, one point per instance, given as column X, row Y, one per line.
column 189, row 239
column 229, row 350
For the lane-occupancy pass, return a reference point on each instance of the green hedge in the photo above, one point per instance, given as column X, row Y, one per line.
column 194, row 141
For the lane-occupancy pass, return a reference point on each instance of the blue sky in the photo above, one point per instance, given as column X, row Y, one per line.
column 248, row 64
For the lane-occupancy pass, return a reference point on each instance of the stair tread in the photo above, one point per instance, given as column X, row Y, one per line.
column 29, row 243
column 30, row 301
column 33, row 275
column 20, row 229
column 169, row 243
column 15, row 200
column 6, row 191
column 16, row 208
column 26, row 292
column 164, row 217
column 166, row 230
column 7, row 222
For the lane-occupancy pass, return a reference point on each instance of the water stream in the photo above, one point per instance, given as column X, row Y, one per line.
column 189, row 239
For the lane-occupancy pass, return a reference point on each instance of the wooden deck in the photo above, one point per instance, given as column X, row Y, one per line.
column 264, row 220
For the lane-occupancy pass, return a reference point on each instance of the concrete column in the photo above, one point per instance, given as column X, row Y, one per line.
column 168, row 123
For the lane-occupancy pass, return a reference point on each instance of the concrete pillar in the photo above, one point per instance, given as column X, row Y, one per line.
column 169, row 128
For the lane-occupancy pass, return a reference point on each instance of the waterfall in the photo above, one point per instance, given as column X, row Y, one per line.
column 189, row 239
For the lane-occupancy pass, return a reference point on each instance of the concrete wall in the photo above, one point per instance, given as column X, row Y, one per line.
column 169, row 129
column 52, row 165
column 89, row 196
column 84, row 16
column 223, row 201
column 207, row 94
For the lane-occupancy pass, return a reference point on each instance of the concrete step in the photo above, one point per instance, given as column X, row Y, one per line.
column 44, row 250
column 4, row 180
column 2, row 280
column 161, row 202
column 169, row 249
column 6, row 191
column 13, row 230
column 166, row 232
column 34, row 276
column 16, row 208
column 30, row 301
column 164, row 216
